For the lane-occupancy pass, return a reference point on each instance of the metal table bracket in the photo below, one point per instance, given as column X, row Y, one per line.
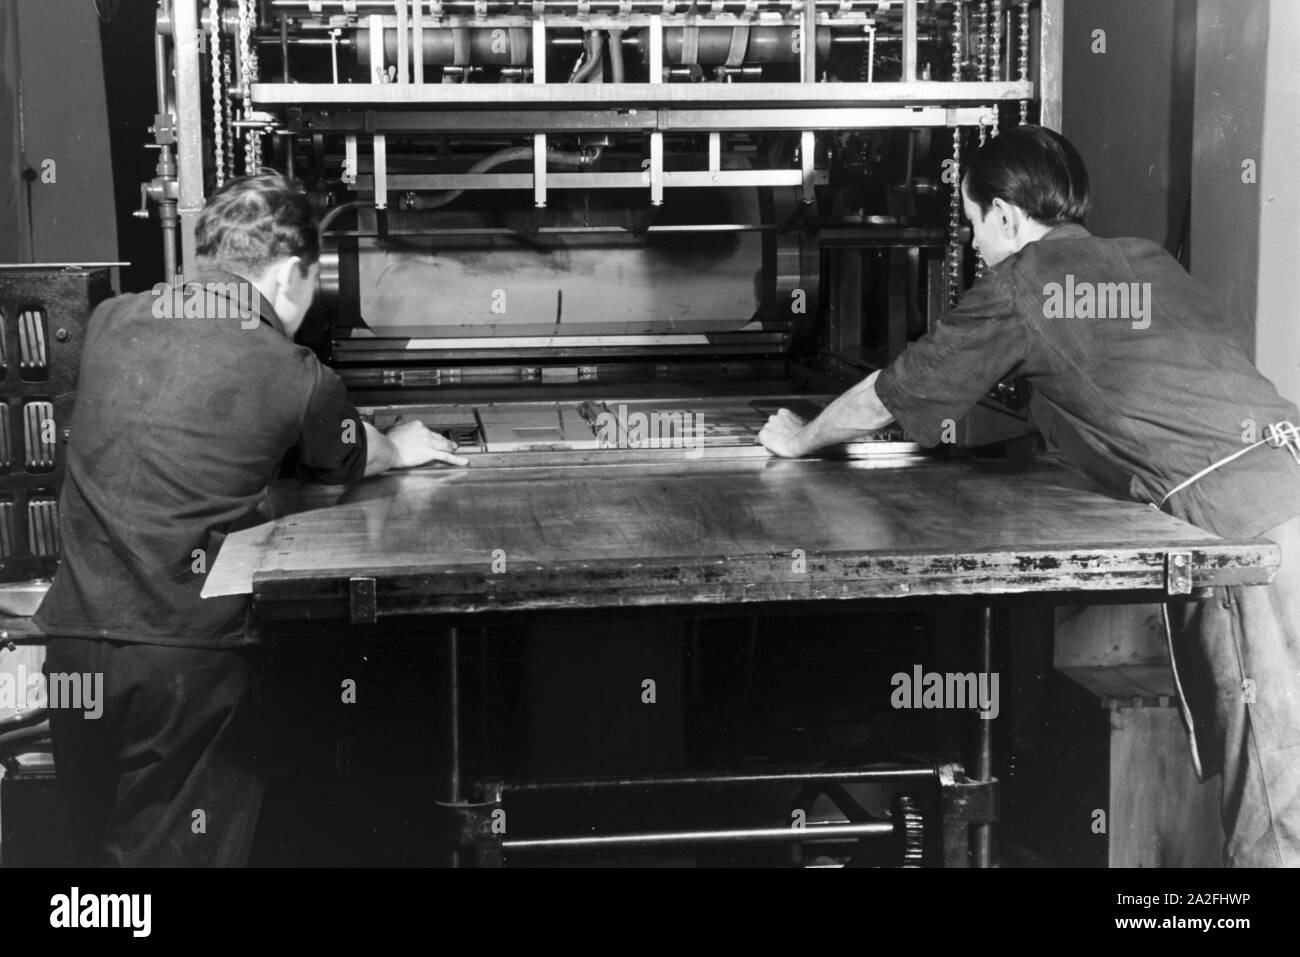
column 1178, row 573
column 362, row 606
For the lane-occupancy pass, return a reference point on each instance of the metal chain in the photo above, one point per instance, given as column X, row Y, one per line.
column 1024, row 57
column 214, row 52
column 253, row 75
column 228, row 110
column 954, row 201
column 246, row 80
column 982, row 59
column 996, row 54
column 984, row 76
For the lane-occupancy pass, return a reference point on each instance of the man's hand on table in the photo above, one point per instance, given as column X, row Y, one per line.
column 407, row 445
column 853, row 417
column 783, row 435
column 417, row 445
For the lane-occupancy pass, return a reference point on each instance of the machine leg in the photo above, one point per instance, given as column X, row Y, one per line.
column 452, row 789
column 982, row 834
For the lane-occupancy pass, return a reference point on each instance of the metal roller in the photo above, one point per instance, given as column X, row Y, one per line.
column 683, row 46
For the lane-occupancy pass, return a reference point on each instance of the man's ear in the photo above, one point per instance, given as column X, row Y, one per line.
column 286, row 272
column 1007, row 217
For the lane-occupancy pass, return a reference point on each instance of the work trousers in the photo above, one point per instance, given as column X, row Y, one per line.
column 1237, row 656
column 170, row 774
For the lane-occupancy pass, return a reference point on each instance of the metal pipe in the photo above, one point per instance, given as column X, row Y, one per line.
column 189, row 136
column 160, row 67
column 618, row 72
column 165, row 170
column 811, row 833
column 595, row 52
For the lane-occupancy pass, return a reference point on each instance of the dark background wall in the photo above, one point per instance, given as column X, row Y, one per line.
column 132, row 102
column 53, row 110
column 1129, row 111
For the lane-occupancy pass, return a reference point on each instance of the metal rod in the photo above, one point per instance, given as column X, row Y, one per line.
column 539, row 139
column 189, row 136
column 657, row 169
column 417, row 41
column 655, row 94
column 838, row 39
column 297, row 41
column 725, row 779
column 808, row 43
column 403, row 41
column 516, row 181
column 811, row 833
column 160, row 70
column 1050, row 57
column 380, row 147
column 656, row 49
column 594, row 4
column 284, row 49
column 376, row 49
column 909, row 41
column 554, row 230
column 831, row 236
column 808, row 165
column 982, row 834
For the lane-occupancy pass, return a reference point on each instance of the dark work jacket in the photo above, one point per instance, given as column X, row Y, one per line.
column 1138, row 400
column 179, row 426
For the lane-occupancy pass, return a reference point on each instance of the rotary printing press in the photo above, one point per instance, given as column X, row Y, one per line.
column 542, row 213
column 584, row 235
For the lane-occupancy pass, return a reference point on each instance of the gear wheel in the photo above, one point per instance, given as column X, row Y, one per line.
column 909, row 831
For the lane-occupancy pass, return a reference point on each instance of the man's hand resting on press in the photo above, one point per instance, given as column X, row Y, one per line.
column 783, row 435
column 406, row 445
column 852, row 417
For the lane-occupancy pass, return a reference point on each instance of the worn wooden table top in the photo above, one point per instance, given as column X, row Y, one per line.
column 715, row 532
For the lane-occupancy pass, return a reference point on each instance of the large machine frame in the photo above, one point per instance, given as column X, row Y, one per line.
column 718, row 127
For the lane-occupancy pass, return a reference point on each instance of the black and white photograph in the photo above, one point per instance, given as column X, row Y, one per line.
column 638, row 434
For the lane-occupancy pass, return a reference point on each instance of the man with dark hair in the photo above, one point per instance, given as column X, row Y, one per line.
column 188, row 400
column 1137, row 383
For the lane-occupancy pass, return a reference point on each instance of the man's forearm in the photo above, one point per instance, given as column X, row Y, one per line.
column 381, row 454
column 850, row 418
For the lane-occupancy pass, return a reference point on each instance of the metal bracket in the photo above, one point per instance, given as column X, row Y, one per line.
column 964, row 802
column 363, row 608
column 1178, row 573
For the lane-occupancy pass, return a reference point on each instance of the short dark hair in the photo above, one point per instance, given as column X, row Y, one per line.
column 1033, row 168
column 254, row 221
